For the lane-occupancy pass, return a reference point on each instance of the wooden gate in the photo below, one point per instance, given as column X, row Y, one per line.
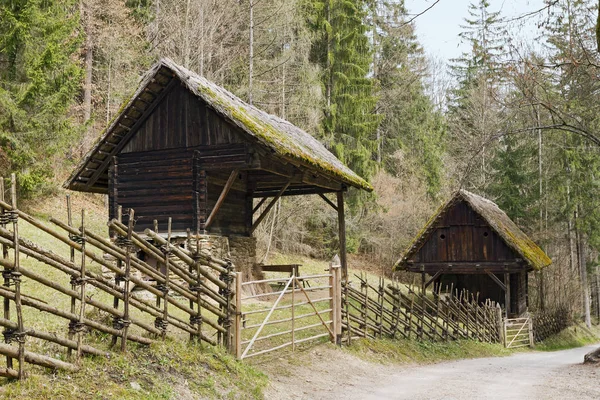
column 287, row 312
column 518, row 332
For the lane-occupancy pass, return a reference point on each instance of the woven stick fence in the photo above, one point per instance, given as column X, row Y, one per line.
column 192, row 290
column 394, row 311
column 548, row 323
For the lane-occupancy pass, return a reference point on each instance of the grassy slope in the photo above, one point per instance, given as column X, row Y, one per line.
column 173, row 369
column 166, row 370
column 574, row 336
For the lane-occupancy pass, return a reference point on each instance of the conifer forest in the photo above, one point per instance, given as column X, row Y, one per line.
column 516, row 121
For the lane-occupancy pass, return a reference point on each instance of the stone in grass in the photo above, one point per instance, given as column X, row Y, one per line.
column 135, row 385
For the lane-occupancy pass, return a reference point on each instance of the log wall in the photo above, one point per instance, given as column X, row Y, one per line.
column 462, row 235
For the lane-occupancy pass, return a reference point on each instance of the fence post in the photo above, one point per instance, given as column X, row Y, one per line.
column 531, row 341
column 500, row 325
column 6, row 272
column 125, row 322
column 335, row 302
column 80, row 326
column 20, row 335
column 238, row 315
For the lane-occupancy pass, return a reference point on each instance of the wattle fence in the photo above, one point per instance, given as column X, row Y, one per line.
column 399, row 311
column 186, row 291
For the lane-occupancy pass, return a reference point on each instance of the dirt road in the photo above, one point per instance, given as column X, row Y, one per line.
column 533, row 375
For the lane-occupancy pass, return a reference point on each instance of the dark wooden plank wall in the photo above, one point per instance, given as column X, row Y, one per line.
column 182, row 120
column 157, row 186
column 232, row 216
column 518, row 292
column 160, row 184
column 463, row 236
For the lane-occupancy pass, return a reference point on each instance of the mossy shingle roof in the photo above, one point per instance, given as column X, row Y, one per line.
column 497, row 219
column 282, row 137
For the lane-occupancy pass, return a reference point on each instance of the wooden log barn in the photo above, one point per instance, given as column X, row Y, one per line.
column 185, row 148
column 471, row 244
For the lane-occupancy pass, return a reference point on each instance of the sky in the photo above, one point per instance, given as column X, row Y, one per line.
column 438, row 28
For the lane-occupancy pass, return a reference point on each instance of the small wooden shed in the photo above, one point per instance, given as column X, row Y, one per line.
column 471, row 244
column 186, row 148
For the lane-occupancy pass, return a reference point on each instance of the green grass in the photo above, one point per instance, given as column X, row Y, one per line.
column 403, row 351
column 574, row 336
column 165, row 370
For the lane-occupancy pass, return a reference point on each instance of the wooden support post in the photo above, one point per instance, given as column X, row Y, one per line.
column 507, row 293
column 9, row 360
column 321, row 195
column 269, row 206
column 125, row 321
column 433, row 278
column 342, row 234
column 238, row 315
column 423, row 281
column 221, row 199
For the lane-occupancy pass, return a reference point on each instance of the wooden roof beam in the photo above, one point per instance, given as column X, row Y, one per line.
column 266, row 211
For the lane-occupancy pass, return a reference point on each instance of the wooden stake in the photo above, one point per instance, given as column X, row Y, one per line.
column 80, row 330
column 117, row 274
column 167, row 273
column 73, row 286
column 17, row 279
column 126, row 288
column 238, row 315
column 9, row 361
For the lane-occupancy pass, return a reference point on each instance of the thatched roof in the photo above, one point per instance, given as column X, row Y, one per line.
column 497, row 219
column 280, row 136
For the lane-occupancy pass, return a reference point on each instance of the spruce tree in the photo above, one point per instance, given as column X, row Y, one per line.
column 40, row 78
column 343, row 50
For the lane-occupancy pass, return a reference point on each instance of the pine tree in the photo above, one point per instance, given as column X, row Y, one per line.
column 343, row 50
column 40, row 79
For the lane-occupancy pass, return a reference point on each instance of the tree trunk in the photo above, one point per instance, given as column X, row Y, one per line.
column 251, row 56
column 89, row 61
column 585, row 290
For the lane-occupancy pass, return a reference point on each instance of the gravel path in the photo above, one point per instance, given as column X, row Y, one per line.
column 335, row 374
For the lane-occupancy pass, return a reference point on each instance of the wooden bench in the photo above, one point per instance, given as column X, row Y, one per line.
column 292, row 269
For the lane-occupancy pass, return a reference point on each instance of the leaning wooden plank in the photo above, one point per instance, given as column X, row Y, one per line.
column 71, row 344
column 37, row 359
